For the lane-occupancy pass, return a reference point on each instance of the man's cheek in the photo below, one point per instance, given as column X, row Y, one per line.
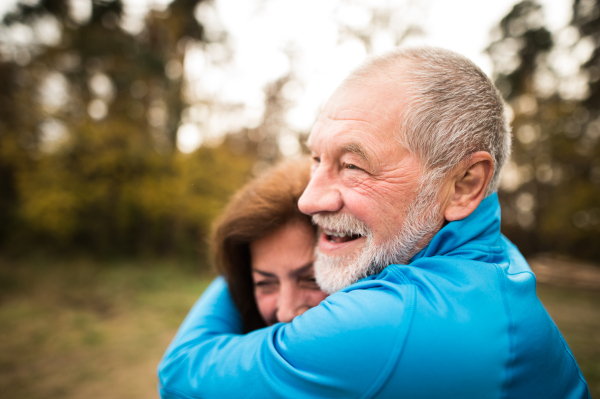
column 366, row 206
column 358, row 182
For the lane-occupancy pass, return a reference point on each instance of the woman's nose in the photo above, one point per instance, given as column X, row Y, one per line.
column 290, row 304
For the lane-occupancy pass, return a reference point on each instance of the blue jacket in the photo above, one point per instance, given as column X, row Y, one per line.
column 462, row 320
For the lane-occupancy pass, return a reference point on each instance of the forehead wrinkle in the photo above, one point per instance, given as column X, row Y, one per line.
column 351, row 139
column 354, row 114
column 345, row 114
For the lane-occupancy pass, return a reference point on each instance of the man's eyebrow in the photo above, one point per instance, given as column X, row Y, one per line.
column 355, row 148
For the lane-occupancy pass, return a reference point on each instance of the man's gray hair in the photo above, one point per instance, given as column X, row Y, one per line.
column 452, row 109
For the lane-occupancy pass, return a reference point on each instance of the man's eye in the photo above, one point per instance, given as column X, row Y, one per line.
column 316, row 159
column 351, row 166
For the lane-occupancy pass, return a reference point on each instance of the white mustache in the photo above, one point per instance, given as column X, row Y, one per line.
column 342, row 224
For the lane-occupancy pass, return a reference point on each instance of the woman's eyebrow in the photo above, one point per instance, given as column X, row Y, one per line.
column 302, row 269
column 266, row 274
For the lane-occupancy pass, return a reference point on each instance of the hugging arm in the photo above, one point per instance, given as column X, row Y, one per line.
column 339, row 348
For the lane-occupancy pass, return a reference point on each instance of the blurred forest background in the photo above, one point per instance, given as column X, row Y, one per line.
column 113, row 165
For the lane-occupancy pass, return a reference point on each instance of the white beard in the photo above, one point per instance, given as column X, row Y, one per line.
column 336, row 272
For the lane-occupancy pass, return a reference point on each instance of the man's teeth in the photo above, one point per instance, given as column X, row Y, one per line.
column 336, row 233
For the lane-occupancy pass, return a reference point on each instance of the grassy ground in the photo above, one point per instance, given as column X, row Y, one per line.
column 88, row 330
column 83, row 330
column 576, row 312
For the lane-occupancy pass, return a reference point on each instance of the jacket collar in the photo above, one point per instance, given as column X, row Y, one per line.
column 481, row 228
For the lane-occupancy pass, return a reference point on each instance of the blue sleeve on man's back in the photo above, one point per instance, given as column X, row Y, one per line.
column 327, row 352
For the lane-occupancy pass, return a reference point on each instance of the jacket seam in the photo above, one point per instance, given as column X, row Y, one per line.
column 504, row 392
column 511, row 351
column 564, row 343
column 521, row 272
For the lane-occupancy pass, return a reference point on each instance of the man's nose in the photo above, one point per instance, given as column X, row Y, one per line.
column 290, row 304
column 321, row 194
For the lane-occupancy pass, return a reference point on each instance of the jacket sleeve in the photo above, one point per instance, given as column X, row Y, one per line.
column 345, row 347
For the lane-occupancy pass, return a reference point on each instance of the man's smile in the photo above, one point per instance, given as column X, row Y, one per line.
column 340, row 237
column 336, row 243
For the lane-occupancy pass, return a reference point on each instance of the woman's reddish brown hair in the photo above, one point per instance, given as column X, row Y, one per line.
column 263, row 205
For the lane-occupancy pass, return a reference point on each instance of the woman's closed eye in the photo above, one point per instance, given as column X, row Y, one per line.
column 309, row 282
column 266, row 286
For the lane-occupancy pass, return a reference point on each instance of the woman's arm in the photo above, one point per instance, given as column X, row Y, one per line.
column 345, row 347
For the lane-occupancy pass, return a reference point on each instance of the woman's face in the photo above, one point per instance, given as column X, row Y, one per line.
column 282, row 270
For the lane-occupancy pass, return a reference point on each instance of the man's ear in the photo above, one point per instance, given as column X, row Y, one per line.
column 468, row 185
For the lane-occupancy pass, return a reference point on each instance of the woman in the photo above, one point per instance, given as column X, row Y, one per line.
column 264, row 247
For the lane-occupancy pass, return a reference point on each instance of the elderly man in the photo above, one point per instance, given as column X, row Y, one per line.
column 428, row 299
